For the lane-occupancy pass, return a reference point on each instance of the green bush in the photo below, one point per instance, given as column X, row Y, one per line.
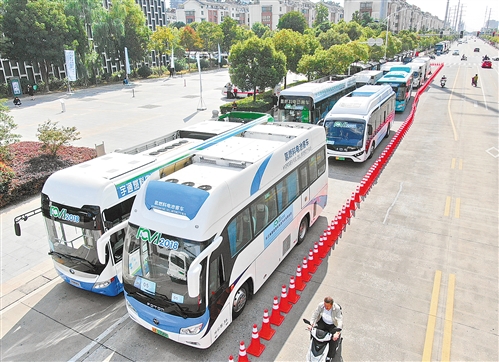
column 54, row 137
column 159, row 71
column 55, row 83
column 6, row 176
column 118, row 76
column 144, row 71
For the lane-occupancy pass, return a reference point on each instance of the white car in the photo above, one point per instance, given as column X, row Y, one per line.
column 455, row 52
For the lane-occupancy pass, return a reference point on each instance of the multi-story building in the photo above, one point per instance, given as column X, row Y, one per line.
column 399, row 13
column 267, row 12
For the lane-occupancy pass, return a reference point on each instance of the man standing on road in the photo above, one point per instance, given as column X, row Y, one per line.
column 474, row 80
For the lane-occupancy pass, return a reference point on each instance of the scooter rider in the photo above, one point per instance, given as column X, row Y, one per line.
column 328, row 316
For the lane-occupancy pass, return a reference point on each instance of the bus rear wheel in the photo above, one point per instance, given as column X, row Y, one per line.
column 302, row 230
column 239, row 301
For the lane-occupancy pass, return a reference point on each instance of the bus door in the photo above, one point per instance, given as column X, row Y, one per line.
column 304, row 182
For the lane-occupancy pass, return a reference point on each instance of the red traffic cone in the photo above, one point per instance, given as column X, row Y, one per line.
column 266, row 332
column 292, row 296
column 255, row 348
column 312, row 267
column 317, row 259
column 242, row 353
column 284, row 305
column 276, row 318
column 323, row 248
column 231, row 358
column 300, row 285
column 305, row 274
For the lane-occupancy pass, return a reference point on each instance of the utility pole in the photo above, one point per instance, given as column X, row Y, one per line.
column 455, row 16
column 485, row 18
column 446, row 15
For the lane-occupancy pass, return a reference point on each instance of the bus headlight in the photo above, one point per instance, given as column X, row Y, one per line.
column 130, row 307
column 192, row 329
column 100, row 285
column 358, row 154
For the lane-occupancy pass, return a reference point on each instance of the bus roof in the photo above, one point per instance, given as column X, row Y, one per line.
column 395, row 76
column 319, row 91
column 361, row 101
column 222, row 178
column 105, row 179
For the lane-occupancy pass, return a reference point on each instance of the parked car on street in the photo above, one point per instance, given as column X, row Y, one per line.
column 476, row 50
column 455, row 52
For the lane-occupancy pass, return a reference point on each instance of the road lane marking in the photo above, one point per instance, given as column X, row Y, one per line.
column 458, row 208
column 453, row 164
column 432, row 317
column 98, row 340
column 449, row 313
column 448, row 107
column 447, row 206
column 460, row 163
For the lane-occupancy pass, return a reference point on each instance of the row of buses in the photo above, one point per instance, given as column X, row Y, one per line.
column 191, row 224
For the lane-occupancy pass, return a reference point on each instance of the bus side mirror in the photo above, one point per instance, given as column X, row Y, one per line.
column 104, row 240
column 321, row 122
column 369, row 129
column 193, row 280
column 17, row 228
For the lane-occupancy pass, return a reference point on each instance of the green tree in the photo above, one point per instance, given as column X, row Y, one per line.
column 293, row 20
column 352, row 29
column 35, row 32
column 53, row 137
column 321, row 14
column 293, row 45
column 232, row 33
column 189, row 39
column 332, row 37
column 210, row 34
column 161, row 41
column 256, row 63
column 7, row 126
column 123, row 26
column 259, row 29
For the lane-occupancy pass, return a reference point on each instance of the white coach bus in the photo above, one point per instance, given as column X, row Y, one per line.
column 203, row 239
column 358, row 122
column 91, row 200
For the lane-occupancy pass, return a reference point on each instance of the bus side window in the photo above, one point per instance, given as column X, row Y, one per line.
column 217, row 277
column 312, row 168
column 321, row 161
column 240, row 231
column 303, row 178
column 117, row 242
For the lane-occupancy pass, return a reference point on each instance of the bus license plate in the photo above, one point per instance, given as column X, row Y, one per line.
column 75, row 283
column 160, row 332
column 340, row 158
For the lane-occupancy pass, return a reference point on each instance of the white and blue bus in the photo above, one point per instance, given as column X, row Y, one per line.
column 401, row 83
column 310, row 102
column 203, row 239
column 358, row 123
column 89, row 201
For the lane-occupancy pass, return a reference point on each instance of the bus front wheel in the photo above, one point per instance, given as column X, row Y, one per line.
column 371, row 151
column 302, row 231
column 240, row 300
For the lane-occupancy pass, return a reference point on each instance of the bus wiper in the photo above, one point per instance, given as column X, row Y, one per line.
column 71, row 257
column 179, row 308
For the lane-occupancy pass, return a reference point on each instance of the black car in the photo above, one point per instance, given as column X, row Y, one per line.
column 476, row 50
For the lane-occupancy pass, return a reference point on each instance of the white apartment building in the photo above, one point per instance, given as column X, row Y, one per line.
column 267, row 12
column 401, row 15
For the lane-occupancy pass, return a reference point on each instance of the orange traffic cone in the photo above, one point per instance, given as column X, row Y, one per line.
column 317, row 259
column 242, row 353
column 284, row 305
column 300, row 285
column 323, row 248
column 255, row 348
column 266, row 332
column 305, row 274
column 276, row 318
column 292, row 296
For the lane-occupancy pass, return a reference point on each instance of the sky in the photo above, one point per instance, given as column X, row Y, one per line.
column 473, row 10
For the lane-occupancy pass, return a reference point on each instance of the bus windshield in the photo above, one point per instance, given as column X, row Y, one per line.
column 155, row 268
column 345, row 133
column 294, row 109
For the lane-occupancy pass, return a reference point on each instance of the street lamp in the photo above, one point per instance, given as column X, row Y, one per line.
column 387, row 22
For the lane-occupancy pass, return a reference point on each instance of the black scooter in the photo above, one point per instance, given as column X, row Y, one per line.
column 442, row 82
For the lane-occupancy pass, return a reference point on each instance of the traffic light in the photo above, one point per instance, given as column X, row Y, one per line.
column 461, row 33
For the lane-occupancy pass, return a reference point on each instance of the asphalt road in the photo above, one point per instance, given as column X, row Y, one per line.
column 415, row 272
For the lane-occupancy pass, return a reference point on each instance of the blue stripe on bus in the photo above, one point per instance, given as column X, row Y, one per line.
column 255, row 185
column 112, row 290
